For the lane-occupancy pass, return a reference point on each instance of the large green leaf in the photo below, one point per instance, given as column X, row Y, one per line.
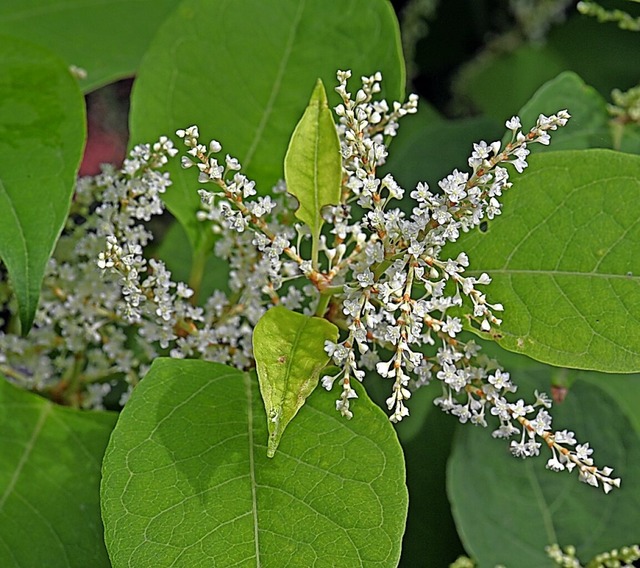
column 49, row 482
column 313, row 164
column 109, row 36
column 187, row 481
column 564, row 261
column 42, row 130
column 242, row 70
column 497, row 498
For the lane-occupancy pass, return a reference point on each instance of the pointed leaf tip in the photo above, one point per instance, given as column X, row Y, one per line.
column 313, row 164
column 289, row 352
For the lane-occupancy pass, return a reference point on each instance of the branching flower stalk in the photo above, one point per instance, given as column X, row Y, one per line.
column 379, row 272
column 400, row 303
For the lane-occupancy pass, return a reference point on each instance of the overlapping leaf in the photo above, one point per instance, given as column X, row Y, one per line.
column 589, row 124
column 289, row 352
column 42, row 130
column 242, row 70
column 49, row 482
column 564, row 261
column 109, row 37
column 187, row 481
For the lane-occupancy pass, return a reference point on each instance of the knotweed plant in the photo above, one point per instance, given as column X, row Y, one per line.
column 369, row 259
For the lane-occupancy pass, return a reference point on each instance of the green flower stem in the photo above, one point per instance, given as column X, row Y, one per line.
column 197, row 272
column 323, row 302
column 314, row 250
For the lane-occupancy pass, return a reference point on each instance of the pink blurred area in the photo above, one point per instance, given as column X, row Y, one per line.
column 107, row 132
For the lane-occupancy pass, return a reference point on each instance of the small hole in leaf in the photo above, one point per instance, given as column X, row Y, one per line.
column 484, row 227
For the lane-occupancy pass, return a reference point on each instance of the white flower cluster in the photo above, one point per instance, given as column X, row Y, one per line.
column 94, row 337
column 400, row 303
column 383, row 279
column 79, row 347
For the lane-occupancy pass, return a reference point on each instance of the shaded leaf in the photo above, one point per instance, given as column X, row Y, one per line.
column 589, row 124
column 187, row 481
column 109, row 37
column 431, row 538
column 497, row 498
column 246, row 82
column 289, row 352
column 42, row 132
column 500, row 83
column 49, row 482
column 427, row 148
column 624, row 389
column 313, row 163
column 563, row 259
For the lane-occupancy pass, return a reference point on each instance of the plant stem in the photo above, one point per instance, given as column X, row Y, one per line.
column 197, row 273
column 323, row 302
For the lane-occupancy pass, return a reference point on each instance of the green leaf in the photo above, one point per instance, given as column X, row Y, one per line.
column 313, row 163
column 427, row 148
column 289, row 352
column 524, row 507
column 109, row 37
column 187, row 481
column 42, row 130
column 431, row 537
column 624, row 389
column 49, row 482
column 589, row 124
column 564, row 261
column 628, row 138
column 499, row 83
column 246, row 81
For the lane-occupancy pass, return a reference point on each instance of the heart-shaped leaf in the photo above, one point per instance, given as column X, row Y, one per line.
column 187, row 481
column 289, row 352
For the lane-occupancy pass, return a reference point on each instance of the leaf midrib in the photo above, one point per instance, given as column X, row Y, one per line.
column 275, row 90
column 24, row 458
column 551, row 273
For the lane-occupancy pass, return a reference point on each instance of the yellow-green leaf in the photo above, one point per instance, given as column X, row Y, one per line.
column 313, row 165
column 289, row 352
